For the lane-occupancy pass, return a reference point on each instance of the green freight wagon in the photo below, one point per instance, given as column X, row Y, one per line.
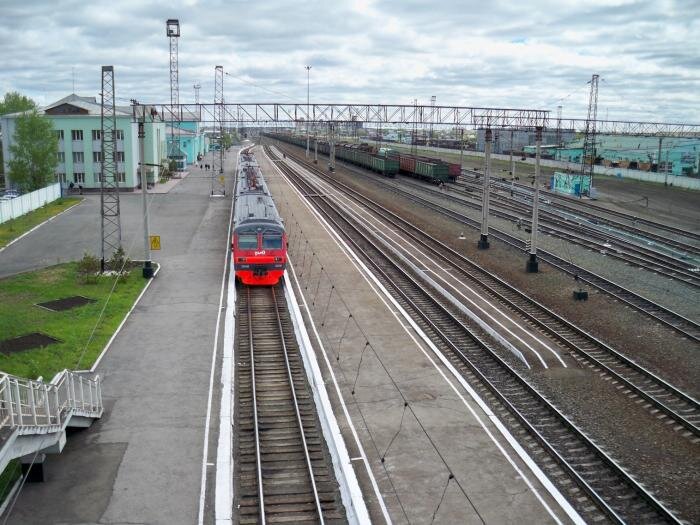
column 387, row 166
column 435, row 172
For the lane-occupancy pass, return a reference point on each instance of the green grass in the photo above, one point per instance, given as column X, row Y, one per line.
column 10, row 230
column 19, row 316
column 8, row 477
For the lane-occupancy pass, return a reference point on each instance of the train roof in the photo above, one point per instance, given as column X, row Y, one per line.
column 253, row 206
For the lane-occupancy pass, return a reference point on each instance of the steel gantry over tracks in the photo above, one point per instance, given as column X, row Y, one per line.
column 409, row 114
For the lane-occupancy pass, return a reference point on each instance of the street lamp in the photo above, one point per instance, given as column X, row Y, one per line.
column 308, row 69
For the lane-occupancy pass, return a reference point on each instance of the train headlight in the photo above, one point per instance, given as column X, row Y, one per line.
column 241, row 259
column 278, row 259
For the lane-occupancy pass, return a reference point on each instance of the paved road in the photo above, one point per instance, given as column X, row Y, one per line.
column 142, row 462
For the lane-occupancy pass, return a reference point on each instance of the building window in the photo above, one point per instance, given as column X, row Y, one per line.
column 78, row 156
column 76, row 134
column 119, row 134
column 98, row 177
column 61, row 177
column 79, row 178
column 121, row 176
column 59, row 134
column 119, row 156
column 96, row 156
column 61, row 157
column 96, row 134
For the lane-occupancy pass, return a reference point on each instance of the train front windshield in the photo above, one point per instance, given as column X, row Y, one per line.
column 248, row 241
column 272, row 241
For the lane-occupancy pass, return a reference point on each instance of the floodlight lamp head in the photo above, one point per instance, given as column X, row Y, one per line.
column 172, row 27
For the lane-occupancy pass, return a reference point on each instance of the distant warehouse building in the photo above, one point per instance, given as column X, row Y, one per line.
column 76, row 121
column 679, row 156
column 501, row 139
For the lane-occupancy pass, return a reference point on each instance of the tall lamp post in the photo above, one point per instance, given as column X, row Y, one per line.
column 308, row 137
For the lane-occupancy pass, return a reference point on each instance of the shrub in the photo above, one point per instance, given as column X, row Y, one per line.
column 88, row 268
column 120, row 264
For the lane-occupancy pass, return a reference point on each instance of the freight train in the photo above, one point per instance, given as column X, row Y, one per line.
column 386, row 161
column 259, row 242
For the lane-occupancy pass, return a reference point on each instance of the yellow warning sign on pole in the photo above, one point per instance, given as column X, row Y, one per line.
column 155, row 242
column 221, row 179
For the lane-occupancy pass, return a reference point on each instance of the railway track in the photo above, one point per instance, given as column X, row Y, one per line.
column 663, row 315
column 657, row 248
column 284, row 473
column 681, row 408
column 597, row 487
column 577, row 231
column 596, row 213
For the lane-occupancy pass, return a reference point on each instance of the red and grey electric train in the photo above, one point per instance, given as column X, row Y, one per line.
column 259, row 241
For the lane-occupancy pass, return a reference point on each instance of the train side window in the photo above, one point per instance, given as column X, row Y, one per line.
column 248, row 241
column 272, row 241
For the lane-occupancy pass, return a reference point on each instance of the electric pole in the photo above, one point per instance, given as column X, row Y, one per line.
column 532, row 265
column 218, row 186
column 589, row 140
column 308, row 133
column 484, row 239
column 512, row 165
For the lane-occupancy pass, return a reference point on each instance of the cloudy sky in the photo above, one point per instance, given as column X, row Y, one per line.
column 531, row 54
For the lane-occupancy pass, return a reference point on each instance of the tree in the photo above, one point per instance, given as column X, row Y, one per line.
column 34, row 152
column 14, row 102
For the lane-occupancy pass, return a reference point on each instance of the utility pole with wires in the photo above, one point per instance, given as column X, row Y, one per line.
column 483, row 243
column 432, row 117
column 218, row 182
column 414, row 134
column 308, row 132
column 512, row 166
column 461, row 149
column 558, row 139
column 109, row 180
column 532, row 265
column 143, row 174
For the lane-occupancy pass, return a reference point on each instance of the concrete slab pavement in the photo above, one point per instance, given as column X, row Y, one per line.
column 142, row 463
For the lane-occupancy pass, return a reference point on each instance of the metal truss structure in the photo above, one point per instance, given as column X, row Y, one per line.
column 218, row 182
column 589, row 143
column 172, row 31
column 409, row 115
column 109, row 183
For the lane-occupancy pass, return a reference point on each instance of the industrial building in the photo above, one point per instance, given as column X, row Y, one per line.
column 676, row 156
column 76, row 121
column 520, row 139
column 191, row 140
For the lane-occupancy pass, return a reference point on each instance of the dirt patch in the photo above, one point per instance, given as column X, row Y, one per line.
column 26, row 342
column 67, row 303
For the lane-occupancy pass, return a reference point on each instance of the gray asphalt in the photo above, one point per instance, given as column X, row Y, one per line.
column 141, row 463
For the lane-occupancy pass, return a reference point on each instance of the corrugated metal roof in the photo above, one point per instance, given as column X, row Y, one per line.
column 253, row 204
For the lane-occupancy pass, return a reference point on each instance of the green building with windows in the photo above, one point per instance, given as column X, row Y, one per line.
column 77, row 123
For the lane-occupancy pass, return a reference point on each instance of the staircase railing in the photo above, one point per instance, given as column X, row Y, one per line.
column 35, row 406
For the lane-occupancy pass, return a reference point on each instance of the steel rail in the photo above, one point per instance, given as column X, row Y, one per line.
column 261, row 492
column 664, row 315
column 416, row 234
column 627, row 252
column 603, row 505
column 500, row 185
column 296, row 407
column 602, row 209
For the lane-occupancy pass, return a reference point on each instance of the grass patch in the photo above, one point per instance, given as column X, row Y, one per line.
column 19, row 316
column 8, row 477
column 10, row 230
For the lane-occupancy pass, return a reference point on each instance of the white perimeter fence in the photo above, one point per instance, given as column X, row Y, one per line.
column 18, row 206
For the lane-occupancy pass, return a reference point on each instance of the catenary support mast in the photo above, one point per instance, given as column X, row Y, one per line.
column 109, row 181
column 218, row 186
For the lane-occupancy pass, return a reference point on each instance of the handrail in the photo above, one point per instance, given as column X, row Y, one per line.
column 30, row 404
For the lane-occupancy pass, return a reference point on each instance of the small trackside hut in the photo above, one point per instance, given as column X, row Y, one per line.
column 259, row 241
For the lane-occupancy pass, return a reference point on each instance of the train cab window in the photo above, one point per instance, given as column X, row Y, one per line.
column 272, row 241
column 248, row 241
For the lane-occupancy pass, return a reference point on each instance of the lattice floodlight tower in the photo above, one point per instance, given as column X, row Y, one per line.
column 218, row 186
column 109, row 183
column 589, row 139
column 172, row 31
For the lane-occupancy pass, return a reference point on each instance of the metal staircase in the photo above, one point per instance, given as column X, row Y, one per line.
column 34, row 414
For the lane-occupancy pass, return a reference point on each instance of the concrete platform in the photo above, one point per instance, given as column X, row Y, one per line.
column 143, row 461
column 441, row 431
